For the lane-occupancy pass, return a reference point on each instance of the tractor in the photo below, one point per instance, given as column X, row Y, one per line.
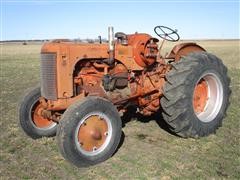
column 85, row 88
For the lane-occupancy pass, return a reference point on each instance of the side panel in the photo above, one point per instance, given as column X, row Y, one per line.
column 73, row 54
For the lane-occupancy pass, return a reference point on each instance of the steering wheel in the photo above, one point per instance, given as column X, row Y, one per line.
column 167, row 33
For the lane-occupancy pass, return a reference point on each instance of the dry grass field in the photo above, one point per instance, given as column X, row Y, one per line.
column 148, row 150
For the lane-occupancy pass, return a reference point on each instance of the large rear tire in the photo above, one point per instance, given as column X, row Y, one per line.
column 196, row 95
column 89, row 131
column 33, row 124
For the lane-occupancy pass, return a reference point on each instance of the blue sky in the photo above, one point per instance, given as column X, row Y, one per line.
column 74, row 19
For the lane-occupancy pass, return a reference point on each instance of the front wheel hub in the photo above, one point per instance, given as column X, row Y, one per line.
column 93, row 134
column 38, row 120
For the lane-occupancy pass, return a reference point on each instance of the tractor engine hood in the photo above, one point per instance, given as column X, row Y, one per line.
column 76, row 50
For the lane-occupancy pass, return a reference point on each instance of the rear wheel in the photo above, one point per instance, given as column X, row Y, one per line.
column 31, row 121
column 196, row 95
column 89, row 131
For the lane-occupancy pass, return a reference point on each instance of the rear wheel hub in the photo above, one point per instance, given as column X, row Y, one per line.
column 208, row 97
column 200, row 96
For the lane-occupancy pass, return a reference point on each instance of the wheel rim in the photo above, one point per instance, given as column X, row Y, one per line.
column 38, row 120
column 93, row 133
column 207, row 97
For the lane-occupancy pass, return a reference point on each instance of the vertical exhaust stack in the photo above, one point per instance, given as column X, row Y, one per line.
column 111, row 44
column 110, row 38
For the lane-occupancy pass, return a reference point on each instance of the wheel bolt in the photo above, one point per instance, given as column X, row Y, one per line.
column 106, row 133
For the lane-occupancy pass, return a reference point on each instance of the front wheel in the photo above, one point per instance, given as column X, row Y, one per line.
column 31, row 120
column 89, row 131
column 196, row 95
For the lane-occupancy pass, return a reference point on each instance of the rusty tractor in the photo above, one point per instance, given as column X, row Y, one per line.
column 86, row 87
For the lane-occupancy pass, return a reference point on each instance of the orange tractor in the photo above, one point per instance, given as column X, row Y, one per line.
column 85, row 88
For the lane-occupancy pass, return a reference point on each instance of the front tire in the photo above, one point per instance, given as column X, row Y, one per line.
column 33, row 124
column 89, row 131
column 196, row 95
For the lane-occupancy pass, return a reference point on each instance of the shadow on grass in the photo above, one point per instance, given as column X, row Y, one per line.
column 131, row 114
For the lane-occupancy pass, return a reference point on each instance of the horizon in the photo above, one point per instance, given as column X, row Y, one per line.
column 105, row 39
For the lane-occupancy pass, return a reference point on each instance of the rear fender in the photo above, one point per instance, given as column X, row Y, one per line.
column 184, row 49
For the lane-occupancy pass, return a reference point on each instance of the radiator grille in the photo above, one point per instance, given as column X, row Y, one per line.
column 48, row 76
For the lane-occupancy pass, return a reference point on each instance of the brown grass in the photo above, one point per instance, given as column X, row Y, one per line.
column 148, row 151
